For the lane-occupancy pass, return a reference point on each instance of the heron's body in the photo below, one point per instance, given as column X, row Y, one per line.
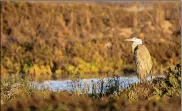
column 142, row 61
column 142, row 58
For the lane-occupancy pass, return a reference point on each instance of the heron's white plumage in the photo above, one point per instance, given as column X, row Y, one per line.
column 135, row 41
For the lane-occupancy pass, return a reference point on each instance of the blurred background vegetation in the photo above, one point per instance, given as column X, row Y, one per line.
column 55, row 40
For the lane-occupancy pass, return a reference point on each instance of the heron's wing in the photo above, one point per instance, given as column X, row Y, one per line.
column 143, row 60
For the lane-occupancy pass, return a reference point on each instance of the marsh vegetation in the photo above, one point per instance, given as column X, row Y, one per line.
column 160, row 94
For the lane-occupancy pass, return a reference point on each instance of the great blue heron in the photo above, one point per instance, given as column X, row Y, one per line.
column 142, row 58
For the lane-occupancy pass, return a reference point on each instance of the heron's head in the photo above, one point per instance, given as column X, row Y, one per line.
column 135, row 40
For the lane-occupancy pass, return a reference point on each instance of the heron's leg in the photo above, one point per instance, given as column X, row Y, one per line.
column 140, row 78
column 143, row 79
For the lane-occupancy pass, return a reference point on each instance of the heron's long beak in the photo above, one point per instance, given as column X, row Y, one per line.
column 128, row 40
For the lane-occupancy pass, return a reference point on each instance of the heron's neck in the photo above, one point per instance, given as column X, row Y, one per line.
column 135, row 44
